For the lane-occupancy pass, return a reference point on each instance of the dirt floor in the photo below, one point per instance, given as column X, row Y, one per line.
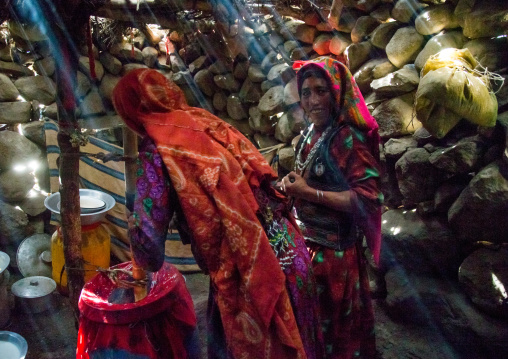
column 53, row 333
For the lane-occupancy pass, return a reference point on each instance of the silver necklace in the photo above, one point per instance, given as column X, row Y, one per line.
column 301, row 166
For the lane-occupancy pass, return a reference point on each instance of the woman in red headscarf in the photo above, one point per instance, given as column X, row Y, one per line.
column 197, row 166
column 338, row 202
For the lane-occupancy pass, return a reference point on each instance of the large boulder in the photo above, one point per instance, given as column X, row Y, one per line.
column 364, row 76
column 38, row 88
column 419, row 244
column 484, row 277
column 15, row 185
column 418, row 179
column 479, row 214
column 405, row 10
column 397, row 83
column 487, row 19
column 460, row 158
column 339, row 43
column 363, row 27
column 272, row 101
column 85, row 67
column 395, row 116
column 441, row 304
column 110, row 63
column 436, row 18
column 16, row 150
column 358, row 54
column 382, row 34
column 299, row 30
column 13, row 69
column 235, row 108
column 8, row 92
column 15, row 112
column 404, row 46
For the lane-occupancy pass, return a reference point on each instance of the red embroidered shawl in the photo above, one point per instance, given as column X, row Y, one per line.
column 213, row 169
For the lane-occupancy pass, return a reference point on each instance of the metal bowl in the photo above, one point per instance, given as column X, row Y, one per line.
column 34, row 294
column 12, row 345
column 53, row 204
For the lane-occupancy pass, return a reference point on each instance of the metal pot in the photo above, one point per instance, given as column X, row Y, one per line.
column 34, row 294
column 87, row 217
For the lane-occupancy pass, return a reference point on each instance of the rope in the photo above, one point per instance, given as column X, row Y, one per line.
column 104, row 157
column 492, row 77
column 113, row 274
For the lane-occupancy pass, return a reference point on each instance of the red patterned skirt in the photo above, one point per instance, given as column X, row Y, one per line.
column 347, row 316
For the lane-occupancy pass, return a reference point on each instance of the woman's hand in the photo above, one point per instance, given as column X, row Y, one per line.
column 293, row 185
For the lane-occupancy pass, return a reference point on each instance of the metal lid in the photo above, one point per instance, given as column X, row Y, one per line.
column 34, row 256
column 33, row 287
column 4, row 261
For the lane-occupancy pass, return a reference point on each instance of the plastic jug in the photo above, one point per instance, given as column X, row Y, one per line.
column 95, row 247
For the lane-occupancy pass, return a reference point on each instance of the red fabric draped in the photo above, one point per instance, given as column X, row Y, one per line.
column 157, row 327
column 213, row 169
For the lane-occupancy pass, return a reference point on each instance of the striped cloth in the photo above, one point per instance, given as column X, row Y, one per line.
column 109, row 178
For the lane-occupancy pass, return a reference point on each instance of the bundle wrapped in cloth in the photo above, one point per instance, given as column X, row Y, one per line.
column 451, row 89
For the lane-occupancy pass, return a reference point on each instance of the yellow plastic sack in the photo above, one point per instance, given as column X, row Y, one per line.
column 440, row 120
column 459, row 58
column 463, row 93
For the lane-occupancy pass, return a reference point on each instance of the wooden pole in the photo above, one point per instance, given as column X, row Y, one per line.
column 66, row 70
column 130, row 151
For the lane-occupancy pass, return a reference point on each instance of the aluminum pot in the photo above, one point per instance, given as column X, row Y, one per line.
column 34, row 294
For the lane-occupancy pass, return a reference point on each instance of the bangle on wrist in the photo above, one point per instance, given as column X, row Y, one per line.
column 320, row 196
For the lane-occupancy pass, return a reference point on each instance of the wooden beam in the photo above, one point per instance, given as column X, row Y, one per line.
column 165, row 13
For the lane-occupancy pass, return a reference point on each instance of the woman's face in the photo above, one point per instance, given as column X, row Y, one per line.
column 316, row 100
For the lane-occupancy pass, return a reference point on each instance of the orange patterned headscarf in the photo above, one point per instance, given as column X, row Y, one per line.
column 214, row 169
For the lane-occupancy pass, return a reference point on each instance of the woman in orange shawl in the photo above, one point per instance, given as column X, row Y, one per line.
column 220, row 190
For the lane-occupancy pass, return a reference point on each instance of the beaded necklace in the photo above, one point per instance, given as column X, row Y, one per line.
column 301, row 166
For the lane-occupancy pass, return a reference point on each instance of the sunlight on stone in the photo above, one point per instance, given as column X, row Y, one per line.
column 395, row 230
column 499, row 286
column 20, row 168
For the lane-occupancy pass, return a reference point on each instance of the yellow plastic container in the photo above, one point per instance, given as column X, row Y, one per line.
column 95, row 246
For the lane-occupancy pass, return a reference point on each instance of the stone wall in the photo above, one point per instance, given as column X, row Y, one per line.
column 446, row 188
